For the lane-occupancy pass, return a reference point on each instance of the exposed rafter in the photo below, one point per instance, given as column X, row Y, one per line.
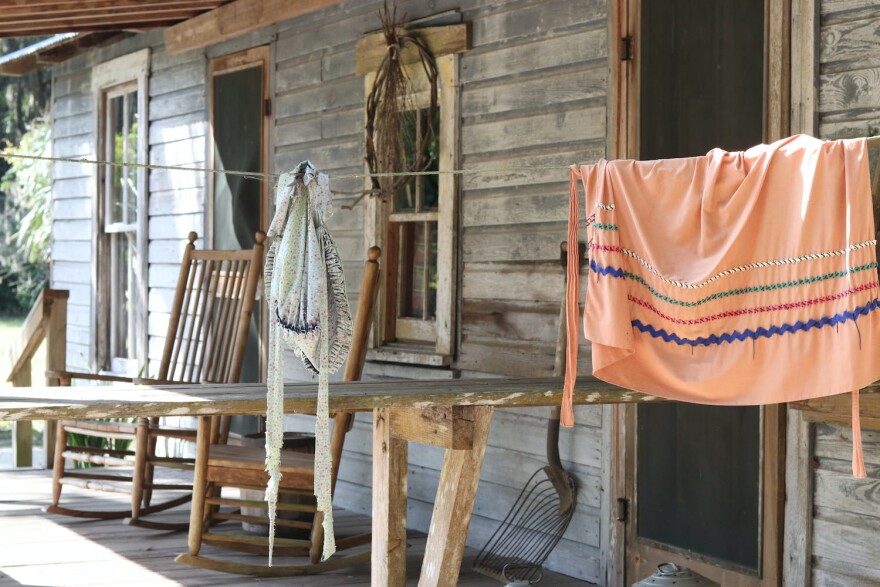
column 236, row 18
column 22, row 18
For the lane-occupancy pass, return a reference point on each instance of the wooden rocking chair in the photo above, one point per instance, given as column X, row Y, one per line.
column 220, row 466
column 205, row 343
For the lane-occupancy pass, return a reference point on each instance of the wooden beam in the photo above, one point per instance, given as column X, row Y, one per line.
column 440, row 40
column 250, row 398
column 234, row 19
column 447, row 427
column 777, row 72
column 81, row 10
column 52, row 5
column 453, row 507
column 388, row 560
column 94, row 23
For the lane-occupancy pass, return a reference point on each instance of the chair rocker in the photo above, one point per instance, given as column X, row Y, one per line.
column 205, row 343
column 244, row 467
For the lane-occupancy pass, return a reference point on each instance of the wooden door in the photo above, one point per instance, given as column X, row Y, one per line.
column 700, row 483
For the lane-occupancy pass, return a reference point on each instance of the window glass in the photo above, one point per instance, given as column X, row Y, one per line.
column 121, row 139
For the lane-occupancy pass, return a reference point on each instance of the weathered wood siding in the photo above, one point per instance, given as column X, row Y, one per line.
column 177, row 125
column 845, row 521
column 533, row 93
column 178, row 112
column 846, row 510
column 73, row 187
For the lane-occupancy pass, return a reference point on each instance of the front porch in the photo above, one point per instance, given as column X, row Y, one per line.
column 47, row 551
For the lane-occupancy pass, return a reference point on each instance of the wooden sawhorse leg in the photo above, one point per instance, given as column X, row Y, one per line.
column 463, row 431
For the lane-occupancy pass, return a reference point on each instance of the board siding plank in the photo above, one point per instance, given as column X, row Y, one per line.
column 544, row 53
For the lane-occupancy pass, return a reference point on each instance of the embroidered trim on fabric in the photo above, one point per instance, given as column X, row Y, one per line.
column 622, row 274
column 601, row 206
column 749, row 334
column 732, row 270
column 600, row 226
column 757, row 310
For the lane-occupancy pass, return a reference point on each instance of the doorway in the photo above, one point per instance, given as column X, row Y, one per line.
column 238, row 205
column 700, row 482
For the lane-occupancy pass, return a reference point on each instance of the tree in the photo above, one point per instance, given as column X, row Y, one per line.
column 25, row 227
column 25, row 187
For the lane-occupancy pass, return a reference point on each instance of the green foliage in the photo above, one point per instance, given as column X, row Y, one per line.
column 22, row 100
column 25, row 225
column 81, row 440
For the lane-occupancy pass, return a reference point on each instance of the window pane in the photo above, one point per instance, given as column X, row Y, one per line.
column 409, row 128
column 421, row 194
column 418, row 270
column 130, row 154
column 431, row 183
column 114, row 141
column 122, row 147
column 123, row 300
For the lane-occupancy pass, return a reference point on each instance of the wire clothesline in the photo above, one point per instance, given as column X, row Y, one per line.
column 271, row 176
column 871, row 141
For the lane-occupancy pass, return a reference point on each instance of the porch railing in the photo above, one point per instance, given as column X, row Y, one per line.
column 47, row 321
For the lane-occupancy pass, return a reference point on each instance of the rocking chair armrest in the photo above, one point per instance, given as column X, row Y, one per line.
column 64, row 378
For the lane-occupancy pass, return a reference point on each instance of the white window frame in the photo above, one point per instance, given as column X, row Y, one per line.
column 108, row 79
column 378, row 213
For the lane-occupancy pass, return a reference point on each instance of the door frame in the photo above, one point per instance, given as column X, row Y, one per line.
column 260, row 56
column 622, row 142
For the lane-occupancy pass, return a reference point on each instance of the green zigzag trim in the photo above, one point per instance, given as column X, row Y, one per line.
column 747, row 290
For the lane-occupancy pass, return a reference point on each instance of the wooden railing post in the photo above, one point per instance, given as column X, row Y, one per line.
column 22, row 432
column 56, row 359
column 47, row 321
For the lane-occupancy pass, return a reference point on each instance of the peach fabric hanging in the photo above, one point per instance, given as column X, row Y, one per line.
column 740, row 278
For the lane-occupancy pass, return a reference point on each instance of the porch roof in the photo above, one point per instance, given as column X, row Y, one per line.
column 23, row 18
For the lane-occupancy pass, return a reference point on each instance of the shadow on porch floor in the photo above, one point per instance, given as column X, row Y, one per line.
column 40, row 550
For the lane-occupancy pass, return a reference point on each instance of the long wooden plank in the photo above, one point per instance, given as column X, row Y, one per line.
column 38, row 403
column 234, row 19
column 249, row 398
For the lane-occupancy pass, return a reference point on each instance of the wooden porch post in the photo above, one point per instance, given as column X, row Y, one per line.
column 22, row 432
column 389, row 504
column 453, row 506
column 56, row 359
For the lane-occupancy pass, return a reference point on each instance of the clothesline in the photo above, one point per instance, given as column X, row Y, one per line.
column 871, row 141
column 271, row 176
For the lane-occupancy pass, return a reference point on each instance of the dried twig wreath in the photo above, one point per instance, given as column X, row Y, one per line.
column 390, row 118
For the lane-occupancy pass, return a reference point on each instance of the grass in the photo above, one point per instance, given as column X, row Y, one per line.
column 10, row 326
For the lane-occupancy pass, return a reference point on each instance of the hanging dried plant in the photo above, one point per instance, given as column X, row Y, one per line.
column 392, row 143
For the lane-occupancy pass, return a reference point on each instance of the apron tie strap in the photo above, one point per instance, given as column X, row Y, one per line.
column 572, row 297
column 858, row 459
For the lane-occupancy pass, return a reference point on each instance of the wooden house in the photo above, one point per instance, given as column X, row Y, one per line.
column 747, row 496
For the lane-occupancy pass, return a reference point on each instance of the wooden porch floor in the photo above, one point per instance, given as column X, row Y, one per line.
column 38, row 549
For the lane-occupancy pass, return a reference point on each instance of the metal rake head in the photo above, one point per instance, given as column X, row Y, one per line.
column 532, row 528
